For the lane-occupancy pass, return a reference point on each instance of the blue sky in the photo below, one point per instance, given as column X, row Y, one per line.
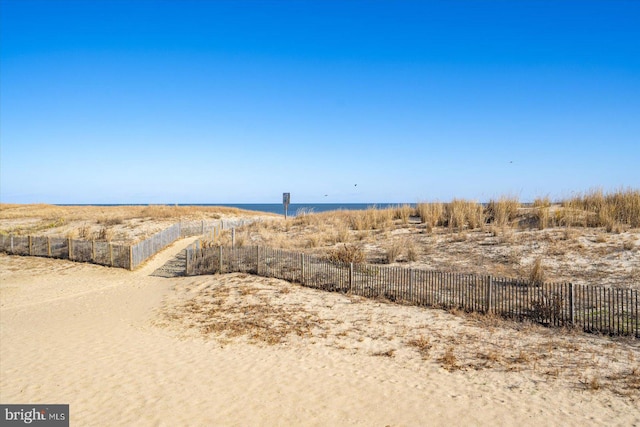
column 238, row 101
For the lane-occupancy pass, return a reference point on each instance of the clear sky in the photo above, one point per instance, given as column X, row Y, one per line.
column 334, row 101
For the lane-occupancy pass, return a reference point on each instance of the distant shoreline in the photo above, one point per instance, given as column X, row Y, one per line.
column 276, row 208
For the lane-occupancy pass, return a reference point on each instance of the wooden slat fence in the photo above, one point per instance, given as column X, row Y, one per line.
column 98, row 252
column 145, row 249
column 114, row 255
column 599, row 309
column 201, row 228
column 210, row 228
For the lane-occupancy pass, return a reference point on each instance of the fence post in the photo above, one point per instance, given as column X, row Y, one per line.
column 571, row 304
column 48, row 246
column 12, row 243
column 220, row 259
column 30, row 241
column 130, row 257
column 70, row 248
column 93, row 250
column 233, row 237
column 637, row 320
column 350, row 277
column 111, row 254
column 202, row 227
column 186, row 261
column 302, row 269
column 488, row 293
column 410, row 285
column 258, row 260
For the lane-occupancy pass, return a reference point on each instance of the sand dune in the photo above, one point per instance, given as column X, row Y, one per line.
column 131, row 348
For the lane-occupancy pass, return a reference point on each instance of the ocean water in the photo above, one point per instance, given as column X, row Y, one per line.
column 297, row 208
column 278, row 208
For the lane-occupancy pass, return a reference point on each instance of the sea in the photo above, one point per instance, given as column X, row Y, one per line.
column 304, row 208
column 278, row 208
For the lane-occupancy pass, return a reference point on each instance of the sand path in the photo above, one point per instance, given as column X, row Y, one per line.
column 84, row 335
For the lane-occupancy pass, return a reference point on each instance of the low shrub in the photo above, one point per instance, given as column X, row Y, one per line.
column 347, row 253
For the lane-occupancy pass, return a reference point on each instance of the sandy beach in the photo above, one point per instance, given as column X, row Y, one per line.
column 319, row 213
column 133, row 348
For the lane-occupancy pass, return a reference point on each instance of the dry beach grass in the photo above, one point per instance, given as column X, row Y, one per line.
column 141, row 348
column 240, row 350
column 565, row 244
column 266, row 311
column 125, row 224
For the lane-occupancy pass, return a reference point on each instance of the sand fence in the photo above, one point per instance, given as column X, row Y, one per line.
column 128, row 256
column 98, row 252
column 598, row 309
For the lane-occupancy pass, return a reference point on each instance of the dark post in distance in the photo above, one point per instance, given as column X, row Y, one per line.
column 286, row 198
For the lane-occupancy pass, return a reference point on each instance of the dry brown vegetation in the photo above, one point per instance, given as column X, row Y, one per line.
column 591, row 238
column 267, row 311
column 613, row 211
column 112, row 223
column 565, row 241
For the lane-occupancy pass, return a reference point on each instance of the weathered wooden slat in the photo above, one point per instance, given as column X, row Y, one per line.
column 593, row 308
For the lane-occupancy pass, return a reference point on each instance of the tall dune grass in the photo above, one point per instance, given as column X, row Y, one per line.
column 597, row 209
column 431, row 214
column 461, row 214
column 370, row 219
column 542, row 206
column 403, row 212
column 503, row 211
